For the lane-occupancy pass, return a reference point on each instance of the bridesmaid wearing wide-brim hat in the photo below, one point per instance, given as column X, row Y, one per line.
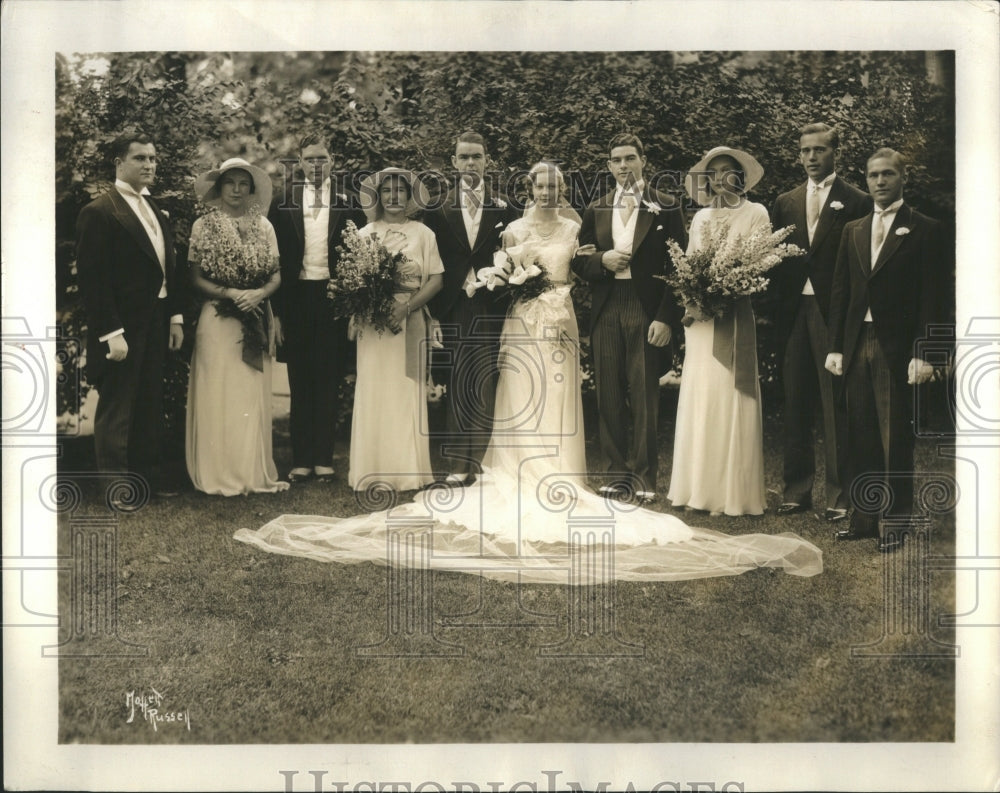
column 718, row 459
column 233, row 255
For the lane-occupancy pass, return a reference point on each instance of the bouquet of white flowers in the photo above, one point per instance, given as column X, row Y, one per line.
column 237, row 256
column 519, row 269
column 724, row 269
column 367, row 278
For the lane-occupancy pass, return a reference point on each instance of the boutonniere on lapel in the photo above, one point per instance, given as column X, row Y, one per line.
column 652, row 206
column 500, row 203
column 342, row 197
column 836, row 206
column 902, row 231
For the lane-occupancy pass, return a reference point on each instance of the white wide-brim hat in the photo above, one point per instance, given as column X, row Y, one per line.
column 420, row 198
column 206, row 186
column 698, row 189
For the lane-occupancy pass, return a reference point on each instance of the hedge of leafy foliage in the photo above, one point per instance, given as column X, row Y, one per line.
column 405, row 109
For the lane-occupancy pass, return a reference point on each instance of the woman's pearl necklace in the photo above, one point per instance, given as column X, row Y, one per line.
column 552, row 227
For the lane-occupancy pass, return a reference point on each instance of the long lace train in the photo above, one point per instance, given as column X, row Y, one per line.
column 548, row 531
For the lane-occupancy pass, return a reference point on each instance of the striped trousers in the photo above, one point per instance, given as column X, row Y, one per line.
column 880, row 433
column 626, row 372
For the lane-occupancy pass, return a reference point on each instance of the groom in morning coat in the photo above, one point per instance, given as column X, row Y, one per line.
column 819, row 209
column 632, row 311
column 467, row 227
column 125, row 258
column 309, row 217
column 887, row 290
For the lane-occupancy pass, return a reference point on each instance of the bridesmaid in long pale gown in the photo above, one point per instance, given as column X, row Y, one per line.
column 389, row 432
column 229, row 446
column 718, row 462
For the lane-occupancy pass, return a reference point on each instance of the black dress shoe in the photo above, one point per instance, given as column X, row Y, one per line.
column 295, row 478
column 846, row 535
column 835, row 514
column 791, row 507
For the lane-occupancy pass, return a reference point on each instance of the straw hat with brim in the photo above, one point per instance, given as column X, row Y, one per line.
column 420, row 199
column 696, row 185
column 206, row 186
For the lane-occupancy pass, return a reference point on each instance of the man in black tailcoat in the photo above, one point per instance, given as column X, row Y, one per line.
column 309, row 217
column 468, row 226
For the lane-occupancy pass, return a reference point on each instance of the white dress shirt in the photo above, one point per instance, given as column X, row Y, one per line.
column 155, row 234
column 472, row 214
column 623, row 234
column 316, row 225
column 823, row 189
column 472, row 217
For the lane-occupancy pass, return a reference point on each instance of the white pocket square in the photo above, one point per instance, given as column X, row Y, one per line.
column 659, row 228
column 498, row 225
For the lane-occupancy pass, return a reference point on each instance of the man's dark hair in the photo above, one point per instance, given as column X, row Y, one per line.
column 120, row 145
column 313, row 138
column 819, row 128
column 626, row 139
column 471, row 137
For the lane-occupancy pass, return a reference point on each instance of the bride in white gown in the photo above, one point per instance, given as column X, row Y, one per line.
column 530, row 516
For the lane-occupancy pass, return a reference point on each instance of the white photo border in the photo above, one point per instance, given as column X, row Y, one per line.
column 35, row 30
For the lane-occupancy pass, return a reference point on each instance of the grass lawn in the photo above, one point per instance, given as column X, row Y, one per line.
column 260, row 648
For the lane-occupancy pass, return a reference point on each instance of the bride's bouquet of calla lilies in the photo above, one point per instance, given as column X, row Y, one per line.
column 709, row 280
column 516, row 269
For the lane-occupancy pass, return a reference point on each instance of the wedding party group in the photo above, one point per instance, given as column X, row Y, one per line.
column 479, row 291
